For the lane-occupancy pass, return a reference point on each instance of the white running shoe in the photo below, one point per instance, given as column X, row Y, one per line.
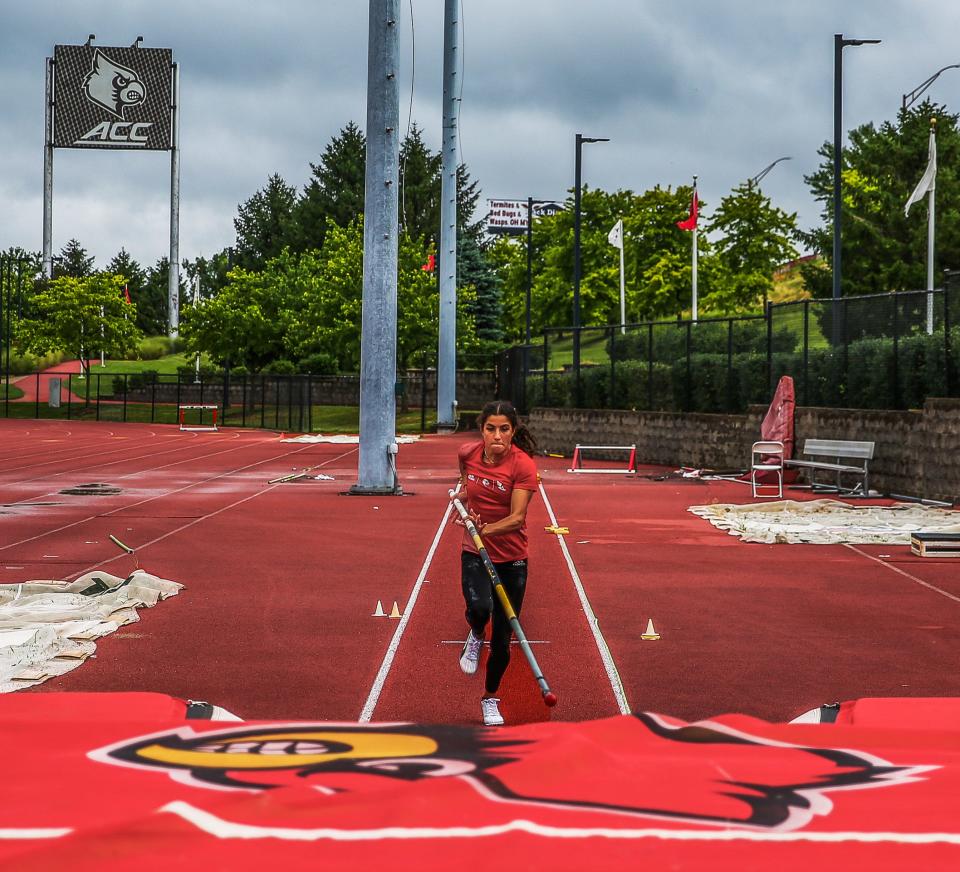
column 470, row 655
column 491, row 712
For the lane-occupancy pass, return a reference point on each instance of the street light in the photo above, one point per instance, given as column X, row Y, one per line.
column 912, row 97
column 759, row 177
column 839, row 43
column 580, row 139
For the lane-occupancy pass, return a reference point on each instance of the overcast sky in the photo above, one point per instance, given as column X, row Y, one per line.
column 719, row 89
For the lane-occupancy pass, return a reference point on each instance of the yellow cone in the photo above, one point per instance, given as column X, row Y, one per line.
column 394, row 612
column 379, row 613
column 650, row 634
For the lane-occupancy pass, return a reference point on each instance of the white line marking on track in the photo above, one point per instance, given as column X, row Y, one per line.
column 34, row 832
column 193, row 521
column 611, row 668
column 367, row 713
column 224, row 829
column 913, row 578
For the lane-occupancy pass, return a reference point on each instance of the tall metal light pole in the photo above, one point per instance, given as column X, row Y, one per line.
column 839, row 43
column 580, row 139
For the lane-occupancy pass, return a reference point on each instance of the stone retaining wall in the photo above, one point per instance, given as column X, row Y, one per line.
column 917, row 452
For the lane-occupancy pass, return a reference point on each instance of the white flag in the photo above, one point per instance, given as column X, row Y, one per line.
column 928, row 182
column 615, row 236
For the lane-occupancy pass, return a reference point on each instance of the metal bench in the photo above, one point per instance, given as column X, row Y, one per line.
column 844, row 455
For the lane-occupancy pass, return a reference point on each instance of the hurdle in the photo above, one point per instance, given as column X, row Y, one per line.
column 198, row 407
column 577, row 462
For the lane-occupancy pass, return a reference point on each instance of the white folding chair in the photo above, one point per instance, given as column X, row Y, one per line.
column 766, row 459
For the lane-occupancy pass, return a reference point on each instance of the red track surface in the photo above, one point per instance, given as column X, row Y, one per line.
column 281, row 582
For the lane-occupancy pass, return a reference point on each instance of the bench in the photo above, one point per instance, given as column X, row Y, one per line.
column 844, row 455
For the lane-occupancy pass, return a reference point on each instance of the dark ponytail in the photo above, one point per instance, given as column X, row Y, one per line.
column 522, row 437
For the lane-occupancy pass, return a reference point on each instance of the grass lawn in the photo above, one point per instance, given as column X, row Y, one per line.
column 593, row 349
column 10, row 391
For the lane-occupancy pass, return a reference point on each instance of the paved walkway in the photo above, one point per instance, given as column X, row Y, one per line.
column 31, row 385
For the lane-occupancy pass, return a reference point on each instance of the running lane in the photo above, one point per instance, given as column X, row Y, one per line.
column 767, row 630
column 425, row 682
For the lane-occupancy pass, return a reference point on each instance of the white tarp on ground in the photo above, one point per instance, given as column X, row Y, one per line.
column 342, row 439
column 828, row 521
column 48, row 628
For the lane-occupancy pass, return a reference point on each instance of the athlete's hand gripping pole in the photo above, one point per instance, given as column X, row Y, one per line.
column 549, row 697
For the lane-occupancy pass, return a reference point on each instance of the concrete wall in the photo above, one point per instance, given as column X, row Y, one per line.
column 917, row 452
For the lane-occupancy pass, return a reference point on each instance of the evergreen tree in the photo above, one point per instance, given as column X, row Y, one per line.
column 134, row 277
column 264, row 224
column 335, row 189
column 883, row 250
column 152, row 301
column 73, row 261
column 476, row 272
column 419, row 188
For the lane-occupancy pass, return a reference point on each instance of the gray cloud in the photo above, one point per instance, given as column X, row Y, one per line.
column 719, row 89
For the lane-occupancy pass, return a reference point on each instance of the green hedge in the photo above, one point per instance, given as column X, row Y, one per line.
column 868, row 374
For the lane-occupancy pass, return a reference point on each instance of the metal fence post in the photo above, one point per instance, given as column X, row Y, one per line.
column 124, row 395
column 688, row 400
column 947, row 361
column 730, row 403
column 546, row 358
column 806, row 352
column 613, row 369
column 769, row 314
column 896, row 352
column 650, row 366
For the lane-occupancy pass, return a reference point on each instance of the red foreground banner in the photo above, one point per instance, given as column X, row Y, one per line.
column 121, row 781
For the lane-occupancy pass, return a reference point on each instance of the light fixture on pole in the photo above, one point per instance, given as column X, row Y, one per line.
column 759, row 177
column 909, row 99
column 580, row 139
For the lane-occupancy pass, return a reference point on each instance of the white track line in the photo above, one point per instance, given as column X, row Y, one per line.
column 196, row 521
column 387, row 663
column 913, row 578
column 165, row 494
column 611, row 668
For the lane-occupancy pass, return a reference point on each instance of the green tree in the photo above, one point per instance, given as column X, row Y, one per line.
column 73, row 260
column 753, row 238
column 657, row 261
column 883, row 250
column 475, row 272
column 80, row 316
column 264, row 223
column 309, row 304
column 335, row 189
column 419, row 187
column 135, row 278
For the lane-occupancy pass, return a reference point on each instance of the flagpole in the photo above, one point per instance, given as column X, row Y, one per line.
column 694, row 274
column 623, row 303
column 931, row 223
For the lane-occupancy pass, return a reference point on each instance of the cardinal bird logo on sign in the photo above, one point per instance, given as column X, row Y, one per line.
column 704, row 774
column 113, row 86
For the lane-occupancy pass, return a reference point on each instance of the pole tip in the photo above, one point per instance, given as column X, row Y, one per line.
column 550, row 699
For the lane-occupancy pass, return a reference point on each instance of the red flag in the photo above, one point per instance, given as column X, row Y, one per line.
column 126, row 294
column 691, row 222
column 430, row 265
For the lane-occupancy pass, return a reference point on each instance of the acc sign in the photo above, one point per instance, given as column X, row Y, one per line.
column 112, row 97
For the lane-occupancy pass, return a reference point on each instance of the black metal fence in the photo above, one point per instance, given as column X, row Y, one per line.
column 291, row 403
column 888, row 351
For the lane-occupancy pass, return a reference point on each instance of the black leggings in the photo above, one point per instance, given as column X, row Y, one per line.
column 482, row 601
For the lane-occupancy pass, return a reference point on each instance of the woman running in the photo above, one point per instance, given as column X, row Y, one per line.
column 500, row 478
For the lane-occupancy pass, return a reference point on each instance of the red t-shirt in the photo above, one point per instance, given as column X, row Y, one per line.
column 489, row 489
